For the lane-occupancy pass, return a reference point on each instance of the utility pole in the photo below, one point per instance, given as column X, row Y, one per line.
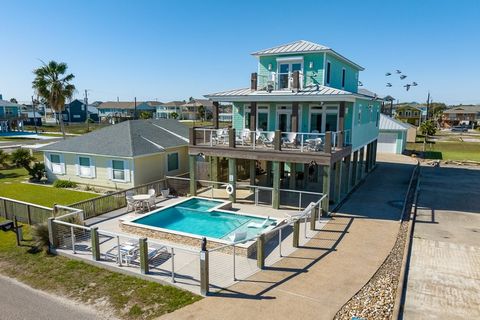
column 428, row 103
column 87, row 117
column 135, row 109
column 34, row 115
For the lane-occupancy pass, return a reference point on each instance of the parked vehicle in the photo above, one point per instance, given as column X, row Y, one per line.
column 459, row 129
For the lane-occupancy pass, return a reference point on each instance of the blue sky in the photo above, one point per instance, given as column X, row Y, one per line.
column 169, row 50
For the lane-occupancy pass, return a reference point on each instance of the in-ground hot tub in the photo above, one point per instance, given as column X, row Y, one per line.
column 188, row 221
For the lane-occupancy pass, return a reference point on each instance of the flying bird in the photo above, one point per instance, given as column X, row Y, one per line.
column 407, row 86
column 403, row 76
column 414, row 84
column 389, row 84
column 398, row 71
column 388, row 74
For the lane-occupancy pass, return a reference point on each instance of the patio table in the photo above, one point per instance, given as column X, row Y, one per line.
column 142, row 198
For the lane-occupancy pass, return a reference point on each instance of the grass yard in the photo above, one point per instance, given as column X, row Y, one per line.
column 11, row 186
column 128, row 297
column 449, row 150
column 78, row 128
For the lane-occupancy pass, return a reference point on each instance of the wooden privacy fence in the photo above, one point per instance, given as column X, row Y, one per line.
column 116, row 200
column 24, row 211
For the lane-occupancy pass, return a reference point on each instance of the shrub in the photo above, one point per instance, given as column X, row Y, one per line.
column 37, row 171
column 4, row 157
column 41, row 239
column 64, row 184
column 21, row 158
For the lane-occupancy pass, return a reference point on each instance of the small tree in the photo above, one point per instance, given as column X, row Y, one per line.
column 201, row 112
column 428, row 128
column 4, row 157
column 21, row 158
column 145, row 115
column 174, row 115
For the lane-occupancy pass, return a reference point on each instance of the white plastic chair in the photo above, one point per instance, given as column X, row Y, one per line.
column 238, row 236
column 258, row 225
column 289, row 139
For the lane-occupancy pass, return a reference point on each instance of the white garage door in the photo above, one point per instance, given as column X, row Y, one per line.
column 387, row 142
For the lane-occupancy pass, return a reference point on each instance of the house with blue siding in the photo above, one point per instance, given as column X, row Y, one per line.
column 302, row 121
column 77, row 111
column 10, row 116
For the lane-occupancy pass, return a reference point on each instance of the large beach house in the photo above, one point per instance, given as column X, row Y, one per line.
column 303, row 124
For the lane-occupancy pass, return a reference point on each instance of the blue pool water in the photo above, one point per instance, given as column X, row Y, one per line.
column 193, row 216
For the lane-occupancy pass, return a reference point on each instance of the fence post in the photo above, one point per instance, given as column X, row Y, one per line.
column 296, row 233
column 143, row 255
column 52, row 233
column 95, row 243
column 173, row 265
column 313, row 217
column 261, row 251
column 29, row 216
column 204, row 268
column 72, row 235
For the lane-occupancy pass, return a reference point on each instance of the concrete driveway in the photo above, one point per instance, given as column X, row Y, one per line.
column 444, row 275
column 317, row 279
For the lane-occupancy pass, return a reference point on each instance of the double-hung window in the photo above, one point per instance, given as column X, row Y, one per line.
column 118, row 170
column 343, row 78
column 172, row 161
column 329, row 71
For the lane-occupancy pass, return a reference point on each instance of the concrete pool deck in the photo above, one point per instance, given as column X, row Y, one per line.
column 317, row 279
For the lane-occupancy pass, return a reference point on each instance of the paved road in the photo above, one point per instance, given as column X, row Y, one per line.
column 20, row 302
column 444, row 276
column 317, row 279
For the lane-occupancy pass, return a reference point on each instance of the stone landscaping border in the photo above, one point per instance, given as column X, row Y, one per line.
column 380, row 297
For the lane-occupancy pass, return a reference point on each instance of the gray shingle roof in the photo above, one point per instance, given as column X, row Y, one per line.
column 127, row 139
column 387, row 123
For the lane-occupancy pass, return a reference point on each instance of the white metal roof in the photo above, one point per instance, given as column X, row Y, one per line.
column 302, row 46
column 387, row 123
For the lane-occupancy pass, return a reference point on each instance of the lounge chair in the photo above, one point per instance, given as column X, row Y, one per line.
column 238, row 236
column 300, row 214
column 289, row 139
column 128, row 252
column 259, row 225
column 267, row 139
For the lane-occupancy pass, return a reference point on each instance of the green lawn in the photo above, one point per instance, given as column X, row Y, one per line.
column 79, row 128
column 449, row 150
column 11, row 186
column 129, row 297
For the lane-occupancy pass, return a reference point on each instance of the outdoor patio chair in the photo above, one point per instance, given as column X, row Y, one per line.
column 289, row 139
column 315, row 144
column 132, row 205
column 238, row 236
column 152, row 202
column 152, row 192
column 267, row 139
column 220, row 136
column 300, row 214
column 128, row 252
column 259, row 225
column 165, row 193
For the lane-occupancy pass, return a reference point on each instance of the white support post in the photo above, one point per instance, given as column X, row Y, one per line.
column 280, row 242
column 256, row 196
column 234, row 276
column 301, row 143
column 173, row 265
column 72, row 235
column 305, row 226
column 119, row 253
column 300, row 202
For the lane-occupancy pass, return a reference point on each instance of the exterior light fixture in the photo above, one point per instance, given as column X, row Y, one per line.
column 269, row 67
column 310, row 65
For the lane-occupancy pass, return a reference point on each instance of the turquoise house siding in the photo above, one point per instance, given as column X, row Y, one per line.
column 351, row 75
column 365, row 124
column 237, row 121
column 14, row 110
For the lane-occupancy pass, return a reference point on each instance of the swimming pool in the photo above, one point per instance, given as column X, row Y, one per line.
column 205, row 218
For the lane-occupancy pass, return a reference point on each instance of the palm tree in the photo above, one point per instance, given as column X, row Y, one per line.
column 54, row 86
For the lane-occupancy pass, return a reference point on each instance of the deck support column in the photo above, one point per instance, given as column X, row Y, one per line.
column 374, row 154
column 338, row 181
column 95, row 243
column 232, row 178
column 253, row 171
column 192, row 159
column 361, row 163
column 276, row 185
column 367, row 160
column 293, row 173
column 326, row 189
column 143, row 253
column 269, row 173
column 214, row 170
column 353, row 180
column 346, row 180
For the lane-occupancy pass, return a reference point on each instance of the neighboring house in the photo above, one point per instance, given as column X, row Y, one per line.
column 75, row 112
column 10, row 115
column 117, row 111
column 392, row 137
column 303, row 121
column 467, row 115
column 411, row 114
column 165, row 110
column 32, row 118
column 148, row 106
column 190, row 110
column 120, row 156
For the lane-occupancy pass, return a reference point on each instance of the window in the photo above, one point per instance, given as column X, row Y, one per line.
column 378, row 118
column 8, row 111
column 172, row 161
column 118, row 170
column 359, row 120
column 329, row 67
column 246, row 117
column 84, row 168
column 56, row 164
column 343, row 77
column 262, row 118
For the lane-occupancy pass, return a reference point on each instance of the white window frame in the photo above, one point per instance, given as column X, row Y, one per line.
column 126, row 171
column 324, row 111
column 60, row 165
column 246, row 108
column 262, row 108
column 91, row 167
column 290, row 61
column 178, row 161
column 287, row 109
